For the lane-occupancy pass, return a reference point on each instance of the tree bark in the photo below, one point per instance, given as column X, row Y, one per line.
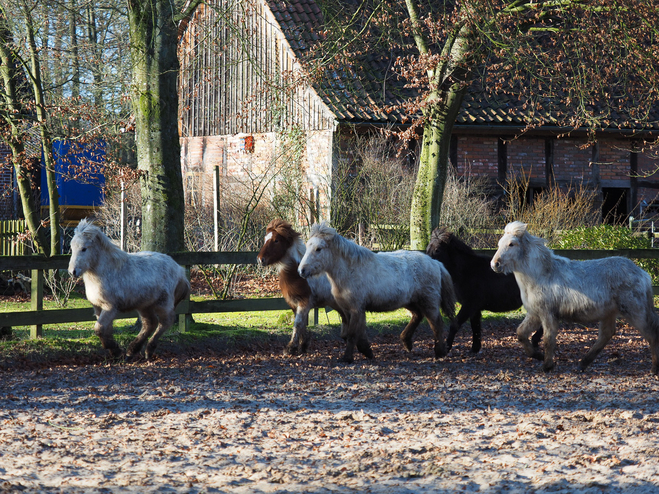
column 12, row 114
column 448, row 85
column 154, row 37
column 46, row 140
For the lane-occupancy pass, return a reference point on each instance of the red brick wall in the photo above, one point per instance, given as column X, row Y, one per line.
column 648, row 171
column 528, row 155
column 572, row 159
column 477, row 156
column 614, row 162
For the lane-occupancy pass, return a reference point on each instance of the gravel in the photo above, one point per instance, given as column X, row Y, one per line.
column 255, row 421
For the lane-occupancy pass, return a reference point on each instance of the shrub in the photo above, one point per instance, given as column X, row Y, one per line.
column 552, row 210
column 608, row 237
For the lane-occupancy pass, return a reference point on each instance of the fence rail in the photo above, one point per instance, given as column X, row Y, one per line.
column 36, row 317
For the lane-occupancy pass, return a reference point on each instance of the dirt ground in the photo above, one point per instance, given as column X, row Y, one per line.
column 254, row 421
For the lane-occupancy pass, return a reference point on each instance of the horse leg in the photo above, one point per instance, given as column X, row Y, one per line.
column 166, row 318
column 537, row 337
column 437, row 325
column 463, row 315
column 648, row 325
column 408, row 332
column 606, row 332
column 529, row 323
column 354, row 334
column 476, row 332
column 299, row 332
column 149, row 324
column 103, row 329
column 550, row 325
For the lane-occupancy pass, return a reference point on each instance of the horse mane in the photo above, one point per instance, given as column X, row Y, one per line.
column 345, row 247
column 88, row 230
column 535, row 247
column 442, row 235
column 284, row 229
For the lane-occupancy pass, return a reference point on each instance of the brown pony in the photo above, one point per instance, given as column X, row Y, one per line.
column 284, row 249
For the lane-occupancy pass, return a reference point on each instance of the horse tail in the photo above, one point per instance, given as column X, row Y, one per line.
column 448, row 300
column 182, row 290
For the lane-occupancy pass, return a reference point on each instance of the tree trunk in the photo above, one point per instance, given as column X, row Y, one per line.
column 15, row 140
column 447, row 89
column 433, row 168
column 46, row 140
column 154, row 38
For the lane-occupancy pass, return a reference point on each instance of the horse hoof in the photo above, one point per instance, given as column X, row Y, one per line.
column 655, row 370
column 291, row 351
column 476, row 347
column 347, row 360
column 440, row 353
column 538, row 356
column 407, row 344
column 548, row 367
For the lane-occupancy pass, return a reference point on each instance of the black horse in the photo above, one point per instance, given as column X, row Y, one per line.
column 477, row 287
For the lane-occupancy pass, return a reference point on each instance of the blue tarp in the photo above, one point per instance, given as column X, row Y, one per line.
column 79, row 178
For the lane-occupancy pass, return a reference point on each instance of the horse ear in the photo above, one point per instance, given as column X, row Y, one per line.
column 516, row 228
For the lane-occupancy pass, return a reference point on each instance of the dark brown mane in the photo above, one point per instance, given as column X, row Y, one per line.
column 442, row 235
column 282, row 228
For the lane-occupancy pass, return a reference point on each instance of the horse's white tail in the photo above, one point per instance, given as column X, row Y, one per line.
column 448, row 300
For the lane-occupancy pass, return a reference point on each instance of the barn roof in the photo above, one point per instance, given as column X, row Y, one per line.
column 362, row 97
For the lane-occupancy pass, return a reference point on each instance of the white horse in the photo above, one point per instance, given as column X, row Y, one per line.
column 365, row 281
column 149, row 282
column 554, row 288
column 284, row 248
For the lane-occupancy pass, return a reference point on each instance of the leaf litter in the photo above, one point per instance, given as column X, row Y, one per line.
column 255, row 421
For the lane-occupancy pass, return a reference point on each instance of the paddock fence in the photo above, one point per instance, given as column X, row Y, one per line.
column 9, row 229
column 37, row 316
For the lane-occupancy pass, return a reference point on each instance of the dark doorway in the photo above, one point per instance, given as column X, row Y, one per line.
column 614, row 207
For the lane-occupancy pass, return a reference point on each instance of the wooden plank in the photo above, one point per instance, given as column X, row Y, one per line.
column 54, row 316
column 17, row 263
column 58, row 316
column 20, row 263
column 244, row 305
column 584, row 254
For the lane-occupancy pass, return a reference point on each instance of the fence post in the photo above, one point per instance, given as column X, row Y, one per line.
column 184, row 317
column 36, row 301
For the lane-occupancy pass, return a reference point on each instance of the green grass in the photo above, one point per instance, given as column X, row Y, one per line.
column 208, row 330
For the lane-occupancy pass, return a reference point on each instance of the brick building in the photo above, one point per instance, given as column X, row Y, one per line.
column 231, row 118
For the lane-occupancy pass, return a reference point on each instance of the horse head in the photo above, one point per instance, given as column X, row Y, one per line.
column 510, row 252
column 318, row 256
column 279, row 237
column 83, row 248
column 438, row 248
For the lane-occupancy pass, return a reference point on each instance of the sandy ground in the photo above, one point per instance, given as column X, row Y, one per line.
column 256, row 421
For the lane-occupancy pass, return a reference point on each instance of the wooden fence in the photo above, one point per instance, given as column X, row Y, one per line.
column 37, row 317
column 8, row 231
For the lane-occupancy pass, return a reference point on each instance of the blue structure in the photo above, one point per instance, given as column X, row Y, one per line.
column 79, row 178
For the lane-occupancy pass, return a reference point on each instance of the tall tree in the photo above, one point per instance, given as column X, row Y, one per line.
column 570, row 63
column 13, row 113
column 154, row 39
column 34, row 72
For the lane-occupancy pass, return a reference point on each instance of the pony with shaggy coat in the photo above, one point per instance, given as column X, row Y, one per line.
column 554, row 288
column 283, row 249
column 363, row 281
column 149, row 282
column 477, row 287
